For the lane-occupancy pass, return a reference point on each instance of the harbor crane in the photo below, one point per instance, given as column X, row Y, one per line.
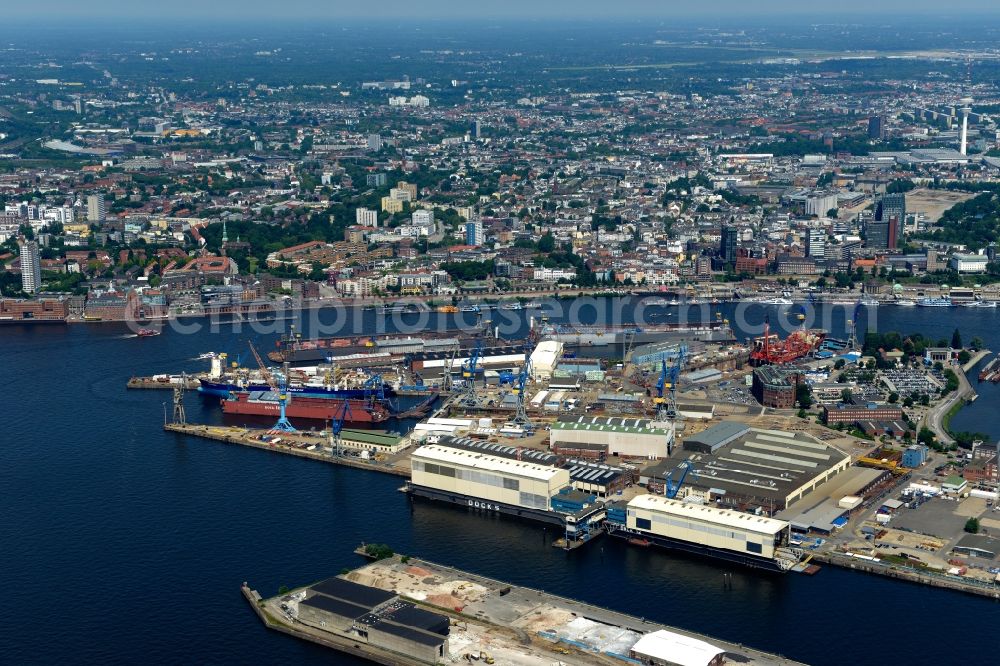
column 278, row 385
column 521, row 415
column 666, row 386
column 671, row 487
column 337, row 426
column 470, row 398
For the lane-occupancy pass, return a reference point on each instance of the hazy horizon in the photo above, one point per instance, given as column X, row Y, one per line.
column 241, row 11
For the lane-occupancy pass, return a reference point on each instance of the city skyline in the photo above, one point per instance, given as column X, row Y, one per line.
column 56, row 11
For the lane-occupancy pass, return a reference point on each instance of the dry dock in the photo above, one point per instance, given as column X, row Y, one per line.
column 513, row 625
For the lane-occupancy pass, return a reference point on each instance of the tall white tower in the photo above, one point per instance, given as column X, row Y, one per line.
column 965, row 111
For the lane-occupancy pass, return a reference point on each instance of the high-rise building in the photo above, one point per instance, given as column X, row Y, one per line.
column 816, row 243
column 891, row 205
column 882, row 234
column 375, row 142
column 31, row 269
column 876, row 128
column 474, row 232
column 730, row 242
column 477, row 129
column 376, row 180
column 366, row 217
column 96, row 212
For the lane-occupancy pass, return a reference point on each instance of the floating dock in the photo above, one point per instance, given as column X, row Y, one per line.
column 504, row 623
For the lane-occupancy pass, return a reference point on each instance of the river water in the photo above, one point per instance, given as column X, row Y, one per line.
column 122, row 543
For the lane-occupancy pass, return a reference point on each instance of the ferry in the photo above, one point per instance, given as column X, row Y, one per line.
column 511, row 306
column 934, row 302
column 469, row 308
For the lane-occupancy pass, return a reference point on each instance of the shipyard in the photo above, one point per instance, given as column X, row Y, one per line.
column 682, row 439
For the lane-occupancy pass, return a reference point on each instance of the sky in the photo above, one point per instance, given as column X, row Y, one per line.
column 249, row 10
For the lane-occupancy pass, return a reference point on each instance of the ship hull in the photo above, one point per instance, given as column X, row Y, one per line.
column 223, row 389
column 316, row 409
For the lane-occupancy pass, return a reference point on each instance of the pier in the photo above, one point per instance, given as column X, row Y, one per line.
column 293, row 444
column 510, row 624
column 874, row 566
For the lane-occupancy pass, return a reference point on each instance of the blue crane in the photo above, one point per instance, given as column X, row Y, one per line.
column 278, row 384
column 337, row 425
column 666, row 386
column 470, row 397
column 671, row 487
column 521, row 415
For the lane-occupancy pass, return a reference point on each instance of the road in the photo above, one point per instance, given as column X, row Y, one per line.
column 935, row 416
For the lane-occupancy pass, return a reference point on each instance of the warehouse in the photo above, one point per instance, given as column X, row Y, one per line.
column 628, row 438
column 595, row 478
column 375, row 441
column 666, row 648
column 544, row 359
column 377, row 617
column 733, row 535
column 488, row 482
column 751, row 469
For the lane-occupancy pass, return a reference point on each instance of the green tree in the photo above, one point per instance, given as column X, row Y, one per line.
column 964, row 357
column 976, row 343
column 925, row 436
column 956, row 340
column 846, row 395
column 803, row 395
column 893, row 398
column 972, row 526
column 546, row 243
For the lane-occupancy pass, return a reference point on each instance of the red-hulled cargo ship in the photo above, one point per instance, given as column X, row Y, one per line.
column 265, row 403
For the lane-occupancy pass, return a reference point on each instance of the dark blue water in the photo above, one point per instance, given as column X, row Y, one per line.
column 121, row 543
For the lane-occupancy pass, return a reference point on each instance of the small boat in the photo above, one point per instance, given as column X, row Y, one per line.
column 905, row 303
column 777, row 301
column 469, row 308
column 659, row 302
column 981, row 304
column 447, row 308
column 511, row 306
column 870, row 302
column 147, row 332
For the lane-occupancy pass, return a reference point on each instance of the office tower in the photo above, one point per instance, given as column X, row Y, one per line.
column 476, row 130
column 96, row 211
column 882, row 234
column 366, row 217
column 816, row 243
column 876, row 128
column 891, row 205
column 474, row 232
column 730, row 241
column 31, row 270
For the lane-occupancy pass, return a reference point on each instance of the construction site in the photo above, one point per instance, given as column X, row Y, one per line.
column 482, row 620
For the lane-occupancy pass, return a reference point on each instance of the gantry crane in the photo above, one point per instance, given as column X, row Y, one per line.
column 666, row 386
column 280, row 386
column 470, row 398
column 336, row 426
column 521, row 415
